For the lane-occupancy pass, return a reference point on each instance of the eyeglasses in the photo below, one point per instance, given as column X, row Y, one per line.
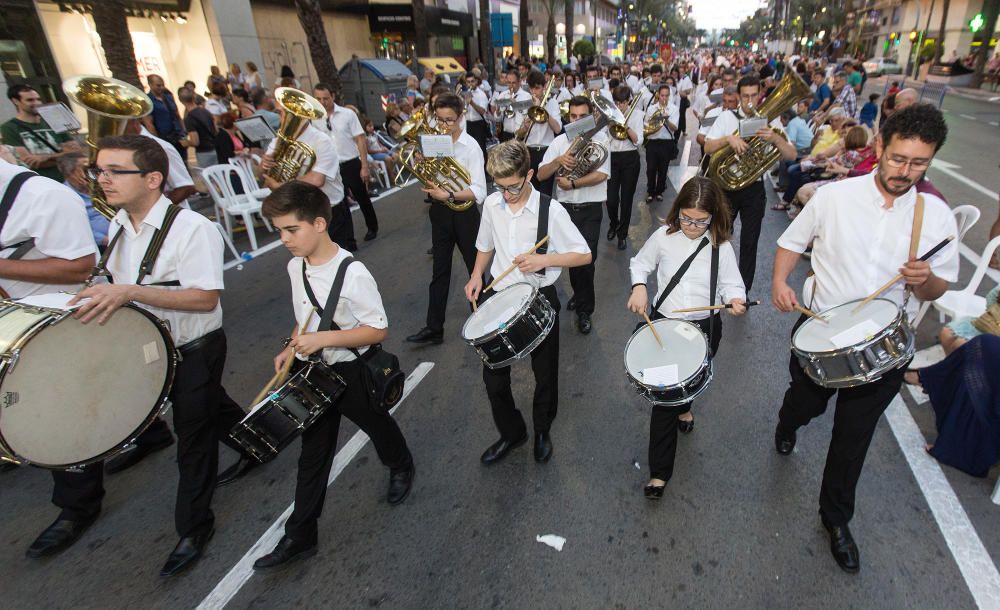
column 910, row 164
column 445, row 121
column 95, row 173
column 691, row 222
column 513, row 190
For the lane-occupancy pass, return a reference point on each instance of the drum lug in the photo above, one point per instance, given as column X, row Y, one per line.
column 12, row 359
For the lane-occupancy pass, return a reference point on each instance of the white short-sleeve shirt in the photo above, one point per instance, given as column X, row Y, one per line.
column 480, row 99
column 343, row 126
column 177, row 174
column 510, row 125
column 672, row 116
column 540, row 134
column 470, row 156
column 588, row 194
column 635, row 123
column 327, row 161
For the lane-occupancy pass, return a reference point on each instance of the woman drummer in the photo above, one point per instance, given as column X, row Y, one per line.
column 698, row 228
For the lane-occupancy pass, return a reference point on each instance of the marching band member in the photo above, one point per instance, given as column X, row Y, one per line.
column 661, row 147
column 510, row 227
column 624, row 170
column 595, row 83
column 649, row 93
column 860, row 229
column 514, row 94
column 476, row 108
column 538, row 136
column 300, row 212
column 698, row 228
column 451, row 228
column 582, row 198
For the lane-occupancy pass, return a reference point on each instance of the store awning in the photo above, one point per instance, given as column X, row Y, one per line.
column 441, row 65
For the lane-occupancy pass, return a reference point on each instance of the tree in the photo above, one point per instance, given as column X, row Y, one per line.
column 550, row 31
column 991, row 10
column 486, row 37
column 522, row 28
column 568, row 9
column 311, row 18
column 939, row 46
column 583, row 48
column 420, row 28
column 112, row 27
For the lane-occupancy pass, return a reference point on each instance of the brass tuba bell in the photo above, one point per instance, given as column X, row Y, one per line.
column 110, row 105
column 291, row 156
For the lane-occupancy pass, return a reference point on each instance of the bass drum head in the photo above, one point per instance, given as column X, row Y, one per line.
column 684, row 346
column 842, row 328
column 496, row 311
column 80, row 391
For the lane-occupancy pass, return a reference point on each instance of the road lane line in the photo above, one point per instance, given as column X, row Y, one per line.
column 974, row 562
column 240, row 573
column 994, row 124
column 968, row 116
column 949, row 169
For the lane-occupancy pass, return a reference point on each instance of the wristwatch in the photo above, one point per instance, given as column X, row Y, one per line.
column 451, row 198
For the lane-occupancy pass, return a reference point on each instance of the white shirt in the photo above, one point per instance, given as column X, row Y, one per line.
column 635, row 123
column 191, row 254
column 564, row 94
column 672, row 117
column 510, row 125
column 706, row 123
column 634, row 83
column 666, row 253
column 470, row 156
column 327, row 161
column 360, row 303
column 858, row 245
column 540, row 134
column 586, row 194
column 216, row 107
column 577, row 89
column 481, row 100
column 177, row 174
column 343, row 126
column 511, row 235
column 685, row 84
column 54, row 216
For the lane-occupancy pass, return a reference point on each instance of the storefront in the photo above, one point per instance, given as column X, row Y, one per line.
column 449, row 32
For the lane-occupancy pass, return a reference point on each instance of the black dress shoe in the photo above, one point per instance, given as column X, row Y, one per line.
column 844, row 549
column 287, row 550
column 649, row 198
column 621, row 243
column 571, row 304
column 653, row 492
column 784, row 443
column 399, row 484
column 499, row 450
column 237, row 471
column 58, row 537
column 131, row 457
column 370, row 235
column 583, row 323
column 427, row 335
column 543, row 447
column 685, row 426
column 187, row 551
column 612, row 231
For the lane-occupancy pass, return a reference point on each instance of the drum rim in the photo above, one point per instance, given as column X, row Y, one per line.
column 706, row 361
column 549, row 325
column 709, row 375
column 493, row 334
column 900, row 318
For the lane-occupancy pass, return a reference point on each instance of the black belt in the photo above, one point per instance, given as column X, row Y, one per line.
column 537, row 147
column 201, row 341
column 576, row 207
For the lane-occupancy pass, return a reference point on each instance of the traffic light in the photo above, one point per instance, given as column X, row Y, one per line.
column 385, row 42
column 977, row 23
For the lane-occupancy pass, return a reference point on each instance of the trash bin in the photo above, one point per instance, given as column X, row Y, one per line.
column 442, row 65
column 371, row 83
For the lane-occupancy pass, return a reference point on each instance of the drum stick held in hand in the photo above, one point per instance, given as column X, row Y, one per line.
column 513, row 266
column 714, row 307
column 810, row 313
column 944, row 242
column 649, row 323
column 279, row 377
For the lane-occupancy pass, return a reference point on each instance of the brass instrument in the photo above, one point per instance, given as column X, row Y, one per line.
column 734, row 172
column 444, row 172
column 588, row 153
column 656, row 122
column 619, row 131
column 291, row 156
column 110, row 105
column 536, row 115
column 564, row 110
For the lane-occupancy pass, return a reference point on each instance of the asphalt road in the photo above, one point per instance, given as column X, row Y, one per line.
column 737, row 526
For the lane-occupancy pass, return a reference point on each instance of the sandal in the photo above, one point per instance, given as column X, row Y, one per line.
column 780, row 207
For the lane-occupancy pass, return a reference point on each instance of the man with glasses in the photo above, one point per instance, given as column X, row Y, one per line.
column 514, row 218
column 538, row 136
column 860, row 229
column 449, row 227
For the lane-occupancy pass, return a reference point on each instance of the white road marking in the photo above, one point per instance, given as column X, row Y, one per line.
column 968, row 116
column 994, row 123
column 238, row 576
column 974, row 562
column 949, row 168
column 681, row 173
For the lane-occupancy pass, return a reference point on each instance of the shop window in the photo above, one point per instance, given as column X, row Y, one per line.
column 25, row 56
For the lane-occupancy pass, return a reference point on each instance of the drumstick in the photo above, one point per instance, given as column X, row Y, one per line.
column 810, row 313
column 713, row 307
column 279, row 377
column 944, row 242
column 514, row 265
column 649, row 323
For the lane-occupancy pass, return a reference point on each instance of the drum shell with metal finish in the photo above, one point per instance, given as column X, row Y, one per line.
column 519, row 335
column 642, row 347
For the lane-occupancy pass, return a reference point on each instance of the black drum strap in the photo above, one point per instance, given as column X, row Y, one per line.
column 326, row 313
column 544, row 202
column 713, row 287
column 680, row 274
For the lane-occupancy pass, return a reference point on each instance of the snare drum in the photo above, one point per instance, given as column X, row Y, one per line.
column 509, row 325
column 852, row 349
column 72, row 393
column 281, row 417
column 674, row 374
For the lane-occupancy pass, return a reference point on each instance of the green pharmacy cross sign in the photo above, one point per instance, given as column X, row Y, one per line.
column 977, row 23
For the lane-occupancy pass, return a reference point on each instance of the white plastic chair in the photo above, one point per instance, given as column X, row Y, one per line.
column 966, row 216
column 228, row 204
column 965, row 302
column 381, row 172
column 248, row 176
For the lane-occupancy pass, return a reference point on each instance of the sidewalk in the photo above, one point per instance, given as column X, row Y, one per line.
column 966, row 92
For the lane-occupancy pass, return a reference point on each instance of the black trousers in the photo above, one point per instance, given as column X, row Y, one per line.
column 350, row 173
column 682, row 118
column 545, row 367
column 622, row 183
column 503, row 136
column 480, row 132
column 203, row 415
column 663, row 420
column 748, row 203
column 854, row 421
column 319, row 445
column 448, row 229
column 542, row 186
column 587, row 218
column 658, row 156
column 341, row 227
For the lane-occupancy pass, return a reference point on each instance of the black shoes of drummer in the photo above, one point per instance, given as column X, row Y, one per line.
column 621, row 243
column 685, row 425
column 543, row 447
column 237, row 471
column 844, row 549
column 499, row 450
column 653, row 492
column 783, row 442
column 58, row 537
column 583, row 323
column 400, row 482
column 427, row 335
column 187, row 551
column 286, row 551
column 612, row 231
column 131, row 457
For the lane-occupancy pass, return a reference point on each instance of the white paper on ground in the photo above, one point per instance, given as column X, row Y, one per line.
column 855, row 334
column 660, row 375
column 53, row 300
column 552, row 540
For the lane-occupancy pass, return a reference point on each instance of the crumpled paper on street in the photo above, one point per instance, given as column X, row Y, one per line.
column 552, row 540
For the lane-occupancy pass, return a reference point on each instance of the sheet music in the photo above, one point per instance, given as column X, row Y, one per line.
column 437, row 146
column 578, row 128
column 255, row 128
column 60, row 118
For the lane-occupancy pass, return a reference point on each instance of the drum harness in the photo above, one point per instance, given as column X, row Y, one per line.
column 713, row 284
column 9, row 195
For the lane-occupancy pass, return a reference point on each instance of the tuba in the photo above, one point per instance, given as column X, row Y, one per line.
column 443, row 172
column 110, row 105
column 588, row 153
column 733, row 172
column 619, row 131
column 290, row 155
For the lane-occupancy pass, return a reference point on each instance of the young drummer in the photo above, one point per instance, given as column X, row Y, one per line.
column 509, row 228
column 698, row 228
column 300, row 212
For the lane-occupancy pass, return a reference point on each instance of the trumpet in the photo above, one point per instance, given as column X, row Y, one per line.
column 619, row 131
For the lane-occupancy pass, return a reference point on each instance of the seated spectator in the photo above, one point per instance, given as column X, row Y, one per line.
column 413, row 88
column 229, row 142
column 73, row 166
column 392, row 121
column 857, row 142
column 378, row 151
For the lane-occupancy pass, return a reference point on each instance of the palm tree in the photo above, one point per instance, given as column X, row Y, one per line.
column 311, row 18
column 550, row 31
column 939, row 47
column 420, row 29
column 112, row 27
column 522, row 27
column 485, row 36
column 568, row 9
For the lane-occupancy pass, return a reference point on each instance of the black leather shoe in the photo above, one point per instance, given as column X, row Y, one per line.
column 583, row 323
column 399, row 484
column 58, row 537
column 844, row 549
column 649, row 198
column 612, row 231
column 237, row 471
column 499, row 450
column 621, row 243
column 685, row 426
column 187, row 551
column 427, row 335
column 571, row 304
column 784, row 443
column 131, row 457
column 370, row 235
column 543, row 447
column 286, row 551
column 653, row 492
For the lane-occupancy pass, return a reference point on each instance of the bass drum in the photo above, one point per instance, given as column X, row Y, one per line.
column 74, row 393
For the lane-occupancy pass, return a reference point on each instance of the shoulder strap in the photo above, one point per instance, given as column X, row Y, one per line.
column 9, row 195
column 918, row 225
column 679, row 274
column 155, row 244
column 713, row 287
column 544, row 201
column 326, row 321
